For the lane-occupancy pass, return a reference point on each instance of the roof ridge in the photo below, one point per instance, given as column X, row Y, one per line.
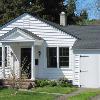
column 55, row 25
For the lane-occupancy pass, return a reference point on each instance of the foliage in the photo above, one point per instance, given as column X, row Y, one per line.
column 70, row 9
column 46, row 9
column 52, row 9
column 84, row 14
column 52, row 83
column 63, row 82
column 41, row 83
column 10, row 9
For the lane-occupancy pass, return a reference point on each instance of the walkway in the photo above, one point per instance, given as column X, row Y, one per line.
column 64, row 97
column 96, row 97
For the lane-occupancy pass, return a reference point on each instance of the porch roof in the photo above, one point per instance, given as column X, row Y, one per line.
column 29, row 36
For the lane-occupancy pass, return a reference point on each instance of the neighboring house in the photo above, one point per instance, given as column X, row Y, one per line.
column 50, row 51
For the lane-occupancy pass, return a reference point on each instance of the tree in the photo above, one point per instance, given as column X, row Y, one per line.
column 98, row 8
column 49, row 10
column 70, row 9
column 52, row 9
column 98, row 5
column 10, row 9
column 84, row 15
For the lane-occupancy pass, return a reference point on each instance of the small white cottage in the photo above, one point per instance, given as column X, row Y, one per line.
column 45, row 50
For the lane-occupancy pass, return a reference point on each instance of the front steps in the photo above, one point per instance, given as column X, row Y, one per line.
column 17, row 83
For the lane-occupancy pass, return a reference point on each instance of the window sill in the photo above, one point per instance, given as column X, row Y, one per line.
column 70, row 69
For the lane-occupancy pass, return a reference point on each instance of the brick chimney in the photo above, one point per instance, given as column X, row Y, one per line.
column 63, row 19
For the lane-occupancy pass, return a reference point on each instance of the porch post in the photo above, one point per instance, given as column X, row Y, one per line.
column 3, row 60
column 32, row 62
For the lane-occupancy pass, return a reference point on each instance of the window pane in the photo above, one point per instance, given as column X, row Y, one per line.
column 52, row 57
column 0, row 56
column 5, row 56
column 63, row 57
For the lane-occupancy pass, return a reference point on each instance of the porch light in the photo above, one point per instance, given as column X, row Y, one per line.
column 39, row 53
column 30, row 3
column 11, row 53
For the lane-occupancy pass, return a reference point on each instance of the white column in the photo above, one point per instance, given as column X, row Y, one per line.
column 57, row 56
column 33, row 62
column 3, row 60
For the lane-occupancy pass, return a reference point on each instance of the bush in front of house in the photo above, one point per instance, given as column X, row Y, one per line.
column 52, row 83
column 63, row 82
column 41, row 83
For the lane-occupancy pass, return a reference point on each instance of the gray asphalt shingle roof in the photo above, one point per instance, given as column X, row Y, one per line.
column 89, row 36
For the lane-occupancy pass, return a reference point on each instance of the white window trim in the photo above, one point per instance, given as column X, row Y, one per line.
column 58, row 67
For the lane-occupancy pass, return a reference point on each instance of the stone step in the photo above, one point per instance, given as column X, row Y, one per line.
column 24, row 84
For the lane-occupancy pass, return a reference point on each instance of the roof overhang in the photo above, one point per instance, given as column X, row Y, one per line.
column 20, row 35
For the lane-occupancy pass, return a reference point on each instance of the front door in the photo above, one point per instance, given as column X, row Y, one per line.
column 26, row 62
column 89, row 71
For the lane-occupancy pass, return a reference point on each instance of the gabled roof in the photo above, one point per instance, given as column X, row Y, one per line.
column 57, row 26
column 89, row 36
column 26, row 32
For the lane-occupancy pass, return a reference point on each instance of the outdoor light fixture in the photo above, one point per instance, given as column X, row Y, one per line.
column 11, row 53
column 39, row 53
column 30, row 3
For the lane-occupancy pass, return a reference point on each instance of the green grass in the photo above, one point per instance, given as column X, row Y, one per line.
column 85, row 95
column 9, row 94
column 56, row 89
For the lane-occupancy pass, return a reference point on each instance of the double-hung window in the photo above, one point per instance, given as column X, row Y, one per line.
column 63, row 57
column 52, row 57
column 0, row 56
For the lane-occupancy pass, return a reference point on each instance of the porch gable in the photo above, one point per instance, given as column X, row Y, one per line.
column 18, row 34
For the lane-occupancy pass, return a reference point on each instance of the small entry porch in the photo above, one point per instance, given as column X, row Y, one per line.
column 23, row 51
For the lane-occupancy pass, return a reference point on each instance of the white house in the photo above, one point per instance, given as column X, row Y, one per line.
column 46, row 50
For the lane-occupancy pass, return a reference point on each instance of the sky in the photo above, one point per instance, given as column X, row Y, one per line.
column 90, row 6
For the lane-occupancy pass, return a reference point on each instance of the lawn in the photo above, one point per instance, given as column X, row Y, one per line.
column 10, row 94
column 56, row 89
column 86, row 95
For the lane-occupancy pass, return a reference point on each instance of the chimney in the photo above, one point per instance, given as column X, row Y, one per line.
column 63, row 19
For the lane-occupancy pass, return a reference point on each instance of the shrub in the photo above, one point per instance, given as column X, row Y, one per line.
column 64, row 82
column 53, row 83
column 41, row 83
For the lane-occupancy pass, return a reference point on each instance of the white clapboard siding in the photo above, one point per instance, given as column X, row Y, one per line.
column 77, row 69
column 41, row 29
column 53, row 73
column 52, row 37
column 7, row 72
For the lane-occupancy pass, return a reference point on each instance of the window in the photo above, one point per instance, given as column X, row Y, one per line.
column 5, row 56
column 63, row 57
column 1, row 56
column 51, row 57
